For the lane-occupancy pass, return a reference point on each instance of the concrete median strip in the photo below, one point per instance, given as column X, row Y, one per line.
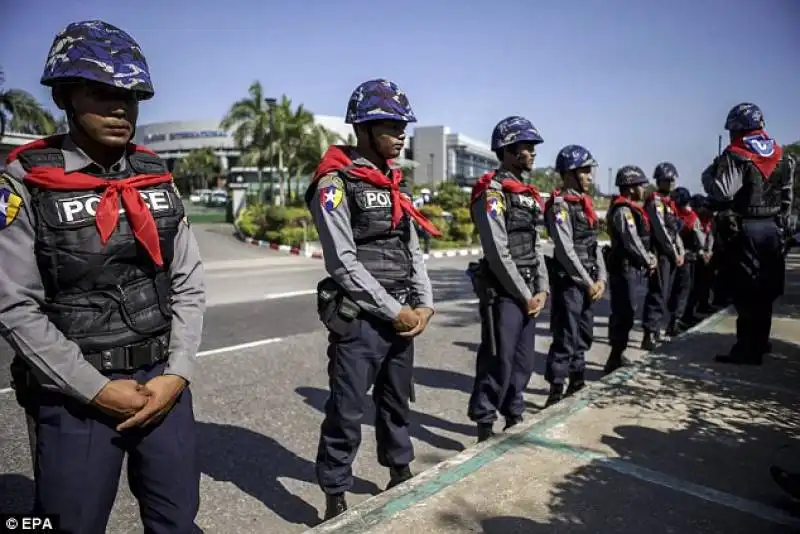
column 370, row 513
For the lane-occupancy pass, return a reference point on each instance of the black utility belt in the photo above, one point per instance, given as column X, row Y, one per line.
column 131, row 357
column 337, row 310
column 528, row 273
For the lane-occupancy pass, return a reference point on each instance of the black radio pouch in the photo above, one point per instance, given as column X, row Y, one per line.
column 336, row 310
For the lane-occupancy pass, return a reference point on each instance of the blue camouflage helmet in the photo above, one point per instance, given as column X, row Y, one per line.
column 97, row 51
column 512, row 130
column 573, row 157
column 378, row 100
column 744, row 117
column 681, row 196
column 665, row 172
column 699, row 201
column 630, row 175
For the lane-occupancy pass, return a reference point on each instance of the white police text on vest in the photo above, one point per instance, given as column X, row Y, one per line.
column 84, row 207
column 378, row 199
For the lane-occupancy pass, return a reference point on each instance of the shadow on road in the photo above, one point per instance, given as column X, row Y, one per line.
column 316, row 398
column 255, row 463
column 701, row 424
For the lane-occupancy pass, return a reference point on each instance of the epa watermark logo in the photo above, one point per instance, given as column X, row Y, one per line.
column 29, row 523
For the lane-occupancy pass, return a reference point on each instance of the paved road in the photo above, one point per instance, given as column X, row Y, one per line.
column 259, row 406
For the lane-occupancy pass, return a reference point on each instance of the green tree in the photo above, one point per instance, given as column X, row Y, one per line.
column 249, row 121
column 21, row 113
column 196, row 170
column 545, row 179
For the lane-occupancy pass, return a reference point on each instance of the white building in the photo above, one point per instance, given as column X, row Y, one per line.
column 443, row 155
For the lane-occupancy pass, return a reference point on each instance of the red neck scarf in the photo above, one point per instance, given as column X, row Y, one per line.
column 634, row 206
column 141, row 220
column 665, row 199
column 688, row 216
column 509, row 185
column 584, row 200
column 743, row 144
column 336, row 159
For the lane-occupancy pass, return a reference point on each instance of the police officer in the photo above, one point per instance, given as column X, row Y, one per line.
column 668, row 246
column 102, row 296
column 699, row 302
column 378, row 296
column 508, row 213
column 628, row 257
column 577, row 274
column 750, row 185
column 693, row 238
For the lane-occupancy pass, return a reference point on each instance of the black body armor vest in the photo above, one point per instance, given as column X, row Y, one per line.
column 103, row 296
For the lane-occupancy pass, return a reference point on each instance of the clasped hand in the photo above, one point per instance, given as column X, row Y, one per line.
column 411, row 322
column 139, row 404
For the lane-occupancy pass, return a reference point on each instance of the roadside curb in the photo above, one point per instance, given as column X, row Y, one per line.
column 373, row 511
column 317, row 254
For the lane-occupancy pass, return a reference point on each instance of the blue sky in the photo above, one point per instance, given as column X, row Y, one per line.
column 634, row 81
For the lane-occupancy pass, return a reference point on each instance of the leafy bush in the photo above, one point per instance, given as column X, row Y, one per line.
column 277, row 224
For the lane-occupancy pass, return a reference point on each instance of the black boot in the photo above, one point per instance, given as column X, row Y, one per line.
column 660, row 338
column 398, row 475
column 672, row 328
column 512, row 421
column 334, row 505
column 576, row 383
column 556, row 394
column 789, row 482
column 485, row 431
column 615, row 361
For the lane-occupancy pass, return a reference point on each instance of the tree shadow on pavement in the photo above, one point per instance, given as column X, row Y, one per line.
column 316, row 398
column 682, row 445
column 450, row 284
column 255, row 463
column 16, row 494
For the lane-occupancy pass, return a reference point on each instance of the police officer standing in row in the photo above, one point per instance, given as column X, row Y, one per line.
column 750, row 188
column 628, row 256
column 103, row 307
column 577, row 273
column 507, row 213
column 699, row 303
column 378, row 296
column 694, row 240
column 668, row 246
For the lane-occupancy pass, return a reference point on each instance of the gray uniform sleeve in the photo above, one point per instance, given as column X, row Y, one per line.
column 625, row 226
column 188, row 304
column 55, row 360
column 680, row 246
column 559, row 225
column 657, row 223
column 708, row 243
column 494, row 241
column 602, row 270
column 698, row 234
column 339, row 254
column 542, row 282
column 419, row 278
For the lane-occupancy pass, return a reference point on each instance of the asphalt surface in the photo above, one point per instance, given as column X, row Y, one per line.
column 262, row 385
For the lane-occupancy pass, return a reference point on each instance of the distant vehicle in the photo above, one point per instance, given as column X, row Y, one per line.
column 217, row 198
column 200, row 196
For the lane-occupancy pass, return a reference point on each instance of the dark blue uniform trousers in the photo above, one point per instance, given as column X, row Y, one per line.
column 624, row 287
column 659, row 286
column 369, row 354
column 501, row 379
column 572, row 324
column 79, row 456
column 681, row 288
column 699, row 301
column 758, row 279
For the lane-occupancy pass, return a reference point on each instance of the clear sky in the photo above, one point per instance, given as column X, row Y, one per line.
column 635, row 81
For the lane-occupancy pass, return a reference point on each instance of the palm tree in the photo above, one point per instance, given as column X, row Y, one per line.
column 310, row 151
column 27, row 115
column 249, row 118
column 199, row 165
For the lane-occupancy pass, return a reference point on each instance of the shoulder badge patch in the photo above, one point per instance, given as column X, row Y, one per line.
column 331, row 192
column 561, row 215
column 10, row 202
column 629, row 217
column 494, row 203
